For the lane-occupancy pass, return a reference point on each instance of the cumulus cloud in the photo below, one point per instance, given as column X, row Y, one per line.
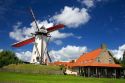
column 59, row 35
column 21, row 33
column 1, row 50
column 44, row 23
column 118, row 53
column 72, row 17
column 64, row 54
column 25, row 32
column 58, row 42
column 25, row 56
column 88, row 3
column 67, row 53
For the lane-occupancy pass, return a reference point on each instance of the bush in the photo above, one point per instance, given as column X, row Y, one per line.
column 8, row 57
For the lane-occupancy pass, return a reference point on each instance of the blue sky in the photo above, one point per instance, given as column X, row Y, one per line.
column 89, row 23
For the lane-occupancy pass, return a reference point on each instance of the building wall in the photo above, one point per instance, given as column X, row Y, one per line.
column 105, row 57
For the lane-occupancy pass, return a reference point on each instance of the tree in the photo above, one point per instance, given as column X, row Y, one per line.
column 117, row 61
column 8, row 57
column 123, row 59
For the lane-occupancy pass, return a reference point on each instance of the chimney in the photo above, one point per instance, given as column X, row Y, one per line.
column 104, row 46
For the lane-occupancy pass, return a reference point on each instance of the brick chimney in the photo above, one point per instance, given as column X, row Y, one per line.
column 104, row 46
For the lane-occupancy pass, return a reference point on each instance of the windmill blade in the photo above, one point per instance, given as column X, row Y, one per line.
column 49, row 56
column 22, row 43
column 59, row 26
column 34, row 18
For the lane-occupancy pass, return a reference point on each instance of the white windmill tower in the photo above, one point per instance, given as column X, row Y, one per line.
column 40, row 53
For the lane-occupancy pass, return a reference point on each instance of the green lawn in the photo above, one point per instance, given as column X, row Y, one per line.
column 32, row 69
column 9, row 77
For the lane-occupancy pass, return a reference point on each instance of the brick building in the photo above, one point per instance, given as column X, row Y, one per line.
column 97, row 63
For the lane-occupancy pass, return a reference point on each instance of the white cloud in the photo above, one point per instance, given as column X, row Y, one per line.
column 78, row 37
column 118, row 53
column 1, row 50
column 21, row 33
column 25, row 32
column 58, row 42
column 44, row 23
column 67, row 53
column 72, row 17
column 25, row 56
column 59, row 35
column 88, row 3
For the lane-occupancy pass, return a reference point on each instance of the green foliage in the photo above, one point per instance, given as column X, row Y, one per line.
column 117, row 61
column 123, row 60
column 8, row 57
column 9, row 77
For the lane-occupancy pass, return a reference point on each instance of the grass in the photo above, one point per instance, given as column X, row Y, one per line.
column 32, row 68
column 30, row 73
column 13, row 77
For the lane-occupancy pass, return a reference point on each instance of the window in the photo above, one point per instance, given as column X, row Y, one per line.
column 37, row 58
column 33, row 60
column 98, row 59
column 110, row 60
column 35, row 52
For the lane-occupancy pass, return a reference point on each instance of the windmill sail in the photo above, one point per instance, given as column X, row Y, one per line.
column 34, row 19
column 22, row 43
column 56, row 27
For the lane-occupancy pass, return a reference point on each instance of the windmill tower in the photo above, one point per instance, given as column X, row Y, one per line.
column 40, row 53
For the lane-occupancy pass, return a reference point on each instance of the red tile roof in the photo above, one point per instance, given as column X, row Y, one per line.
column 93, row 65
column 88, row 59
column 60, row 63
column 89, row 56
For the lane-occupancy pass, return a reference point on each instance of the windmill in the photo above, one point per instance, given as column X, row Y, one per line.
column 40, row 53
